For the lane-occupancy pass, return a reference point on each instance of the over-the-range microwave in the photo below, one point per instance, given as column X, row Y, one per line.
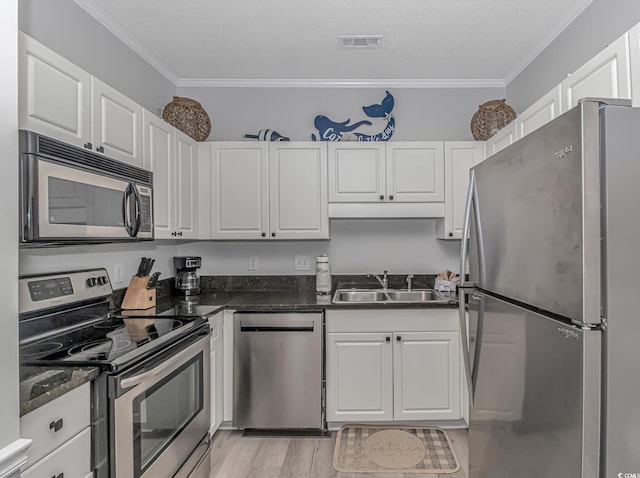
column 72, row 195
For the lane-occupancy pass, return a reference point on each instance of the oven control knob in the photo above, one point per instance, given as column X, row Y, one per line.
column 92, row 281
column 102, row 280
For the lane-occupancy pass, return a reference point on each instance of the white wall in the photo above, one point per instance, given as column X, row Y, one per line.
column 69, row 258
column 9, row 424
column 360, row 246
column 600, row 24
column 67, row 29
column 420, row 114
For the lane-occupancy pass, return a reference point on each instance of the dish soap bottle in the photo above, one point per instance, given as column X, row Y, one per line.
column 323, row 275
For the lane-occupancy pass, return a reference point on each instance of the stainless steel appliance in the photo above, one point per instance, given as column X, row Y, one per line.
column 277, row 370
column 151, row 401
column 187, row 281
column 553, row 327
column 71, row 195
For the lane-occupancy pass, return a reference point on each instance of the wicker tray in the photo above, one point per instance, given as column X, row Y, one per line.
column 490, row 118
column 188, row 116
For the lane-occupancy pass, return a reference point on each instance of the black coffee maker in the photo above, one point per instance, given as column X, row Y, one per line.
column 187, row 281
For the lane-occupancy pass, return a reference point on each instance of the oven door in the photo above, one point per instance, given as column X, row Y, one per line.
column 78, row 204
column 162, row 411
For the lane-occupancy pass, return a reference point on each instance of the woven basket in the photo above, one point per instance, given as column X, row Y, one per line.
column 490, row 118
column 188, row 116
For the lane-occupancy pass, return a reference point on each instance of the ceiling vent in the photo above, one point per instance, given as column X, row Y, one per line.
column 360, row 41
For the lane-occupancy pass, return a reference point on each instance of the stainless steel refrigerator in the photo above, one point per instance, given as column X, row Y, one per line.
column 553, row 348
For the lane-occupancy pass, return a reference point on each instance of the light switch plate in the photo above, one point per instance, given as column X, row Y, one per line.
column 301, row 263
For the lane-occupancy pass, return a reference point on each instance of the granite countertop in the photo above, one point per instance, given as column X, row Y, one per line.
column 40, row 385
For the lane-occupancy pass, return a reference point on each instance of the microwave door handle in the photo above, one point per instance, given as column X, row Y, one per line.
column 126, row 210
column 137, row 206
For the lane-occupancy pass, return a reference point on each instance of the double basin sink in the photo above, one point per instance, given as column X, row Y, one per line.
column 377, row 296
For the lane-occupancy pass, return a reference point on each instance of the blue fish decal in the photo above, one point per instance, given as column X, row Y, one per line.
column 382, row 110
column 332, row 131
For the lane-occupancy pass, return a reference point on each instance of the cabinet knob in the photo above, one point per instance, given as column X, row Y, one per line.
column 388, row 339
column 273, row 234
column 381, row 197
column 391, row 197
column 180, row 234
column 451, row 234
column 56, row 425
column 264, row 234
column 174, row 233
column 88, row 145
column 398, row 338
column 100, row 149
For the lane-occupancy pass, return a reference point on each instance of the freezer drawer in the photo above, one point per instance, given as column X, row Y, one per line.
column 277, row 370
column 535, row 393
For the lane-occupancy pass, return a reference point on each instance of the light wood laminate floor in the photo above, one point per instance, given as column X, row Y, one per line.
column 235, row 456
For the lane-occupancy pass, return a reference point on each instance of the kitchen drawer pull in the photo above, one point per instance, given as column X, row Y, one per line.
column 56, row 425
column 388, row 339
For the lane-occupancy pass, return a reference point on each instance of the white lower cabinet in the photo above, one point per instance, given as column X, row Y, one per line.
column 216, row 325
column 411, row 372
column 61, row 434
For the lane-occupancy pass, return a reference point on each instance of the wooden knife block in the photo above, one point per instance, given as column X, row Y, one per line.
column 138, row 297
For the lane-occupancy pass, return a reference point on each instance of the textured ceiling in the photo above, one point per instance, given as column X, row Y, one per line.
column 298, row 39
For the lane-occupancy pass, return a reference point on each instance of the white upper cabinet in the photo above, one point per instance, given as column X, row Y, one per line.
column 298, row 190
column 185, row 186
column 540, row 113
column 634, row 54
column 606, row 75
column 54, row 94
column 374, row 172
column 116, row 124
column 459, row 158
column 501, row 139
column 239, row 190
column 262, row 190
column 60, row 100
column 357, row 172
column 171, row 155
column 415, row 171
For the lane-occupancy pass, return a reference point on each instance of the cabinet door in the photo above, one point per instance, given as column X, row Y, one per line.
column 415, row 171
column 55, row 95
column 501, row 139
column 298, row 190
column 606, row 75
column 186, row 186
column 158, row 154
column 116, row 124
column 459, row 158
column 356, row 172
column 541, row 112
column 359, row 377
column 634, row 60
column 240, row 190
column 426, row 376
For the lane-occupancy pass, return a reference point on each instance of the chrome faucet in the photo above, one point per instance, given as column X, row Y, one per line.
column 409, row 279
column 384, row 282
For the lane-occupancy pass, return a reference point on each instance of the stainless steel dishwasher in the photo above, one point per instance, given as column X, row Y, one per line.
column 277, row 370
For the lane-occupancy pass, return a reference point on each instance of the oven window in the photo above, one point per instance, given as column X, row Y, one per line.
column 163, row 411
column 72, row 202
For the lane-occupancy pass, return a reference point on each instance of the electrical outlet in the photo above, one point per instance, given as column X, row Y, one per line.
column 253, row 263
column 118, row 273
column 301, row 263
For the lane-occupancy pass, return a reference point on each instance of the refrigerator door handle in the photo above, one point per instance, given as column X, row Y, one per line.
column 482, row 278
column 476, row 353
column 464, row 336
column 464, row 243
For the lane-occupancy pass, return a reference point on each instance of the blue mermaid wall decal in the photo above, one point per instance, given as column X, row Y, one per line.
column 329, row 130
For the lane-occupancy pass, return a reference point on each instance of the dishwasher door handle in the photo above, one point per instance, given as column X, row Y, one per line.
column 276, row 328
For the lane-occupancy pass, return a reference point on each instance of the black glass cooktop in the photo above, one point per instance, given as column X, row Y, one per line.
column 91, row 339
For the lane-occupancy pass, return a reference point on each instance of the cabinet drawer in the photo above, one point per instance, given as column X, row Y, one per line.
column 72, row 414
column 71, row 460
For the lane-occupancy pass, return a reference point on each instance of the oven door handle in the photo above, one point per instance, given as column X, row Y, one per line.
column 164, row 366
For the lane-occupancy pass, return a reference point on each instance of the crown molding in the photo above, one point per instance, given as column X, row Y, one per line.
column 337, row 83
column 116, row 29
column 546, row 41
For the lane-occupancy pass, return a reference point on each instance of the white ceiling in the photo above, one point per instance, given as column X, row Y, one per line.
column 438, row 42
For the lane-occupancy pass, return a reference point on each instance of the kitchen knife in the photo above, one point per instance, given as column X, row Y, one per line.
column 141, row 267
column 150, row 266
column 153, row 281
